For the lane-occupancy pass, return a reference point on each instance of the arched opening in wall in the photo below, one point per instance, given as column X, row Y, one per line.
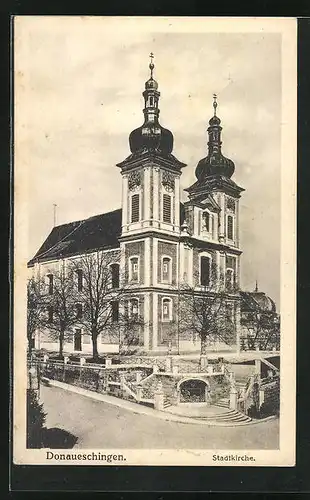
column 194, row 391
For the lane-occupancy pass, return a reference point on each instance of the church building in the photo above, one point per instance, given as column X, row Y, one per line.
column 158, row 242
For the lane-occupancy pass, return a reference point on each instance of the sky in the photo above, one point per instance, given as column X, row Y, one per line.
column 79, row 84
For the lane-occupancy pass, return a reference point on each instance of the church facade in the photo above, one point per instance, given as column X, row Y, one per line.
column 158, row 243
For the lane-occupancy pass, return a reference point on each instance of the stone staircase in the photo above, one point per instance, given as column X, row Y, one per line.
column 228, row 417
column 223, row 403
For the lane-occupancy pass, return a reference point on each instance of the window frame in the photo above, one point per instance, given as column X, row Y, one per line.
column 167, row 196
column 169, row 279
column 112, row 266
column 79, row 310
column 233, row 227
column 233, row 277
column 113, row 320
column 137, row 195
column 131, row 258
column 163, row 317
column 50, row 284
column 79, row 280
column 129, row 305
column 78, row 331
column 208, row 256
column 50, row 313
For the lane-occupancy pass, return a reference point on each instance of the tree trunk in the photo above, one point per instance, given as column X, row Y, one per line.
column 61, row 344
column 94, row 337
column 203, row 347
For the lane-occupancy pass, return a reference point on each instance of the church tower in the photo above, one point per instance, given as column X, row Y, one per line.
column 151, row 220
column 212, row 212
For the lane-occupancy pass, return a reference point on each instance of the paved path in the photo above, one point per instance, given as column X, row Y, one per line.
column 101, row 425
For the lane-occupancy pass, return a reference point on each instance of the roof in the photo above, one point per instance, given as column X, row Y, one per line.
column 74, row 238
column 81, row 236
column 257, row 300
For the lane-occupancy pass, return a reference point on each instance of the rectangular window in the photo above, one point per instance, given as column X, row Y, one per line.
column 205, row 271
column 115, row 275
column 133, row 308
column 166, row 208
column 79, row 276
column 50, row 313
column 50, row 284
column 134, row 269
column 166, row 272
column 135, row 208
column 79, row 311
column 166, row 312
column 114, row 311
column 230, row 227
column 78, row 339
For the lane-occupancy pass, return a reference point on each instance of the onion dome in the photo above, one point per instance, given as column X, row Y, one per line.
column 151, row 136
column 215, row 163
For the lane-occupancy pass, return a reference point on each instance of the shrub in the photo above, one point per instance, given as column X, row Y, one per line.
column 35, row 420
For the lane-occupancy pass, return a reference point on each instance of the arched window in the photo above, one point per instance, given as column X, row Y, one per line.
column 134, row 269
column 50, row 284
column 230, row 227
column 114, row 275
column 205, row 268
column 151, row 101
column 166, row 269
column 166, row 309
column 135, row 208
column 166, row 208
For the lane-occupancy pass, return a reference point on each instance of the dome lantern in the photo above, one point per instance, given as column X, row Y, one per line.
column 215, row 163
column 151, row 136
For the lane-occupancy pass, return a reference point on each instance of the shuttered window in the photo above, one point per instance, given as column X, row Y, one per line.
column 135, row 208
column 166, row 208
column 205, row 271
column 230, row 227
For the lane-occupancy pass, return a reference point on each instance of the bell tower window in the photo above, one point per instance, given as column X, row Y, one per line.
column 230, row 227
column 167, row 208
column 135, row 208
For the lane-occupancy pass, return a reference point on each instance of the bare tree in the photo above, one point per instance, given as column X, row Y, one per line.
column 207, row 313
column 98, row 289
column 34, row 309
column 263, row 329
column 59, row 301
column 131, row 323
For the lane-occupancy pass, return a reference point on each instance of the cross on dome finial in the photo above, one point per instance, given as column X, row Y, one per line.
column 151, row 65
column 214, row 103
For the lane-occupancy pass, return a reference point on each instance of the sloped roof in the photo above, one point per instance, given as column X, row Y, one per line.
column 100, row 231
column 81, row 236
